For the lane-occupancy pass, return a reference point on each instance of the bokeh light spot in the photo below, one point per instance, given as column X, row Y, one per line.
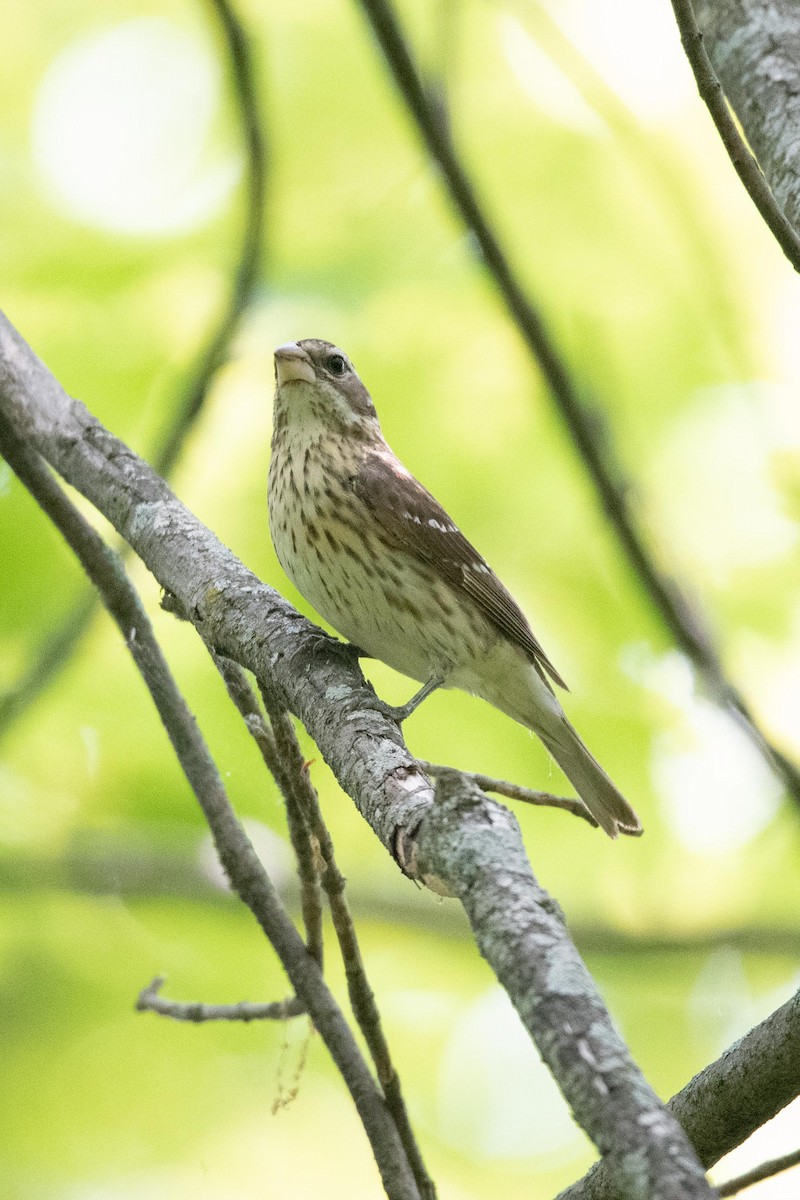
column 121, row 130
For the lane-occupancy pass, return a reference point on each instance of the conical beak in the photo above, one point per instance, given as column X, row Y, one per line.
column 293, row 364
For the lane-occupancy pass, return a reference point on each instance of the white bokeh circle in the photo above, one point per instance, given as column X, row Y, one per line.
column 121, row 129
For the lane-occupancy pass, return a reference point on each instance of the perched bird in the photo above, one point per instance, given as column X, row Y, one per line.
column 379, row 558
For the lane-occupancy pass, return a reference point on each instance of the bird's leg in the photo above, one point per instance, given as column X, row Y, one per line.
column 404, row 711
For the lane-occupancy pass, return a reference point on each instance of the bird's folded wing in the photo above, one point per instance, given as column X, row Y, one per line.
column 415, row 522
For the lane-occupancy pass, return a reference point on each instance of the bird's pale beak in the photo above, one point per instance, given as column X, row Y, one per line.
column 293, row 364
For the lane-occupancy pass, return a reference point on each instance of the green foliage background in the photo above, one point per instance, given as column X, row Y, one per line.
column 674, row 309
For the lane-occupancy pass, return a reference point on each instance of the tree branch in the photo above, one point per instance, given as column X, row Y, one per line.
column 765, row 1170
column 515, row 791
column 466, row 844
column 730, row 1099
column 682, row 619
column 236, row 853
column 150, row 1000
column 520, row 930
column 753, row 45
column 61, row 643
column 245, row 702
column 362, row 998
column 744, row 163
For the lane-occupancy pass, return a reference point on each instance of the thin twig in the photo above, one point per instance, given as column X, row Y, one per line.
column 149, row 1000
column 744, row 163
column 249, row 264
column 61, row 644
column 300, row 835
column 283, row 757
column 515, row 791
column 764, row 1171
column 236, row 853
column 589, row 435
column 362, row 997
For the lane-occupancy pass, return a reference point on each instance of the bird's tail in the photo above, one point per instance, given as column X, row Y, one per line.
column 604, row 801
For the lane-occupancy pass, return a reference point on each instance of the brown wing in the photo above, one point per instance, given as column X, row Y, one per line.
column 415, row 522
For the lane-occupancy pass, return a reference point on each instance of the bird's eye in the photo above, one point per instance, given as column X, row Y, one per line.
column 336, row 364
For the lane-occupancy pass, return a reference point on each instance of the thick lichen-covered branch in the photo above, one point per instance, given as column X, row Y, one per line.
column 465, row 845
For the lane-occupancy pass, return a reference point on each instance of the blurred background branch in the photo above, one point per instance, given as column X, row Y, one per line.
column 587, row 426
column 60, row 644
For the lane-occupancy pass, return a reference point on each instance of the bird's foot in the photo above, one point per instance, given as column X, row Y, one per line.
column 402, row 712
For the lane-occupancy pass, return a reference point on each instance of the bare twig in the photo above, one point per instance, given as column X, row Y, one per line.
column 515, row 791
column 362, row 998
column 235, row 851
column 681, row 617
column 61, row 643
column 765, row 1170
column 743, row 161
column 150, row 1000
column 283, row 757
column 300, row 835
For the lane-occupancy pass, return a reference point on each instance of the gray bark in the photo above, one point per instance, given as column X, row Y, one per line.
column 754, row 46
column 469, row 844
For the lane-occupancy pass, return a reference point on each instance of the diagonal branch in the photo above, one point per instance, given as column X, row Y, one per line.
column 753, row 47
column 61, row 643
column 745, row 165
column 362, row 998
column 520, row 930
column 466, row 845
column 236, row 853
column 730, row 1099
column 684, row 622
column 245, row 702
column 765, row 1170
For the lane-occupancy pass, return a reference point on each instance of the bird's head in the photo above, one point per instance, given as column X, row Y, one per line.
column 317, row 383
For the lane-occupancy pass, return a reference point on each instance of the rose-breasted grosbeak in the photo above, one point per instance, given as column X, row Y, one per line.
column 381, row 560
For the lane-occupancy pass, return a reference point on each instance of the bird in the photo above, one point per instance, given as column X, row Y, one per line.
column 382, row 562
